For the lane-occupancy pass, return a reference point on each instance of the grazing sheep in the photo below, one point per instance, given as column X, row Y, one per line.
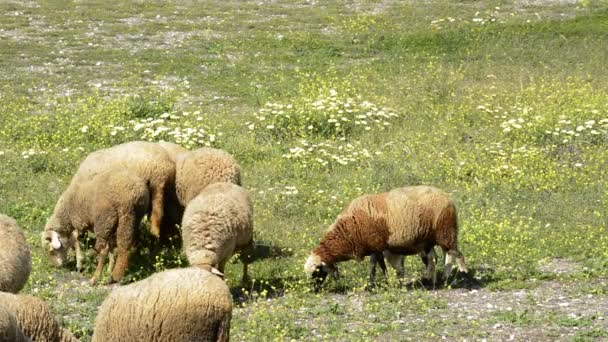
column 174, row 211
column 403, row 221
column 111, row 204
column 197, row 169
column 173, row 150
column 396, row 261
column 15, row 258
column 9, row 328
column 216, row 223
column 147, row 160
column 34, row 318
column 188, row 304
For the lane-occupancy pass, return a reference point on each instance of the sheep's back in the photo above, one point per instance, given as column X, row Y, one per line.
column 216, row 222
column 147, row 160
column 197, row 169
column 15, row 256
column 413, row 212
column 187, row 304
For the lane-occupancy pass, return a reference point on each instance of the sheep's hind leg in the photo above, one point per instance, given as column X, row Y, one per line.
column 157, row 211
column 429, row 258
column 124, row 240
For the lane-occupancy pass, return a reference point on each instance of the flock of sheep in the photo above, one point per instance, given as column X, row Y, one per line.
column 199, row 191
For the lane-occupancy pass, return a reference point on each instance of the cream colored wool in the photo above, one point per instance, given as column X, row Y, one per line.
column 15, row 257
column 111, row 204
column 9, row 329
column 34, row 318
column 189, row 304
column 199, row 168
column 216, row 223
column 146, row 160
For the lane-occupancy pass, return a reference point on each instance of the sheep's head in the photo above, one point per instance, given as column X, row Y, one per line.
column 56, row 245
column 317, row 269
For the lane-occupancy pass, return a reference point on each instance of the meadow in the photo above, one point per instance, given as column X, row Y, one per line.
column 502, row 103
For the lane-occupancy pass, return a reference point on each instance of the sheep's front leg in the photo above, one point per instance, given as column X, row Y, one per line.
column 396, row 261
column 101, row 259
column 429, row 258
column 77, row 250
column 375, row 259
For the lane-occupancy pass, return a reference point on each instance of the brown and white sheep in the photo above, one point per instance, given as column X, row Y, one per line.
column 34, row 318
column 111, row 204
column 216, row 223
column 188, row 304
column 15, row 256
column 404, row 221
column 199, row 168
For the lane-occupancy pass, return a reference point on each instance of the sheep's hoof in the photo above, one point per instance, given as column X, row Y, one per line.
column 93, row 281
column 110, row 281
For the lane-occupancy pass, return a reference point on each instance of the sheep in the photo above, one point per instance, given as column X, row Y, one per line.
column 216, row 223
column 9, row 329
column 174, row 211
column 173, row 150
column 187, row 304
column 197, row 169
column 396, row 261
column 404, row 221
column 111, row 204
column 15, row 257
column 149, row 161
column 34, row 318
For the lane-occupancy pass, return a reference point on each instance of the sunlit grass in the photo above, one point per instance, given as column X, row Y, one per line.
column 503, row 106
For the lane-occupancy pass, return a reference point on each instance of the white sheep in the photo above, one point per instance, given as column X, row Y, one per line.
column 111, row 204
column 216, row 223
column 197, row 169
column 15, row 257
column 9, row 328
column 188, row 304
column 34, row 318
column 403, row 221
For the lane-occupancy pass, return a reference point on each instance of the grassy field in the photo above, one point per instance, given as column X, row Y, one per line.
column 504, row 104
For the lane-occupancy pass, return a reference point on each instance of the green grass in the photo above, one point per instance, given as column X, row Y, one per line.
column 503, row 105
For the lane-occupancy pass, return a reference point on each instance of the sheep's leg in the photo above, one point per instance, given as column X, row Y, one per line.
column 124, row 240
column 246, row 255
column 429, row 258
column 451, row 256
column 112, row 262
column 396, row 261
column 157, row 211
column 77, row 250
column 101, row 259
column 375, row 259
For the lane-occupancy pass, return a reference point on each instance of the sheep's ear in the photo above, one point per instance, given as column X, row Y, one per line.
column 217, row 272
column 55, row 243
